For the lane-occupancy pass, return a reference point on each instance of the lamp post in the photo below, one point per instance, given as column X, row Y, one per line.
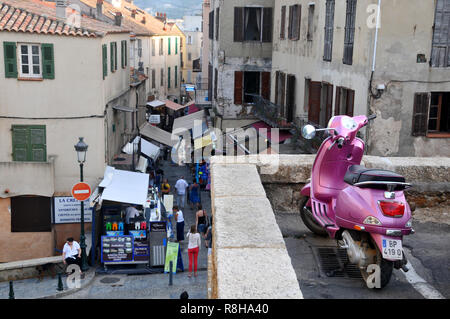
column 81, row 149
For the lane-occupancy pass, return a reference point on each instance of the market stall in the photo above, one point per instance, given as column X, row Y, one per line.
column 127, row 210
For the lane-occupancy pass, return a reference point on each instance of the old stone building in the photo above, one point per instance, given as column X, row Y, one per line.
column 330, row 58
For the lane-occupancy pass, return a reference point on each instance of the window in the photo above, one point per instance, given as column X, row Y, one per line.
column 216, row 76
column 211, row 25
column 176, row 76
column 31, row 214
column 210, row 82
column 176, row 46
column 217, row 23
column 440, row 53
column 161, row 46
column 30, row 61
column 431, row 114
column 153, row 78
column 283, row 23
column 153, row 47
column 285, row 95
column 345, row 101
column 189, row 56
column 310, row 33
column 248, row 83
column 320, row 102
column 168, row 77
column 113, row 55
column 252, row 24
column 295, row 14
column 162, row 77
column 168, row 47
column 349, row 32
column 329, row 29
column 29, row 143
column 124, row 53
column 105, row 60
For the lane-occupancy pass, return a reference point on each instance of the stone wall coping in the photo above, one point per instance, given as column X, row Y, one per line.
column 30, row 263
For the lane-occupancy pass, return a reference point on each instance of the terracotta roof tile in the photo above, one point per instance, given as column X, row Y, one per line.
column 36, row 16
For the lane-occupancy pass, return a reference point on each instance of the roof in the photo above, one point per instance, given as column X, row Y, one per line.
column 157, row 134
column 35, row 16
column 151, row 27
column 174, row 106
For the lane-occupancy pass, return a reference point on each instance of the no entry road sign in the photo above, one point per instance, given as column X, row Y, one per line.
column 81, row 191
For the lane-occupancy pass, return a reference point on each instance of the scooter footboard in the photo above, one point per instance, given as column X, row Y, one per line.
column 322, row 213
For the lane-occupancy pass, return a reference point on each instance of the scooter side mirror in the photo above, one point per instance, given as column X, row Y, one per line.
column 308, row 132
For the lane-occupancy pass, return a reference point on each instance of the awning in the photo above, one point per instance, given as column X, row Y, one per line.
column 123, row 108
column 157, row 134
column 202, row 142
column 174, row 106
column 156, row 103
column 149, row 149
column 193, row 109
column 124, row 186
column 283, row 135
column 142, row 164
column 194, row 122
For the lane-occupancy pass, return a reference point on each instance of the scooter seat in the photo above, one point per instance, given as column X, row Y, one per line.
column 357, row 174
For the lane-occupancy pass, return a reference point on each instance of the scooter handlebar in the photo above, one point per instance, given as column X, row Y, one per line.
column 371, row 117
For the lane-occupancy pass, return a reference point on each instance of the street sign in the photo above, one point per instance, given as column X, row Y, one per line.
column 81, row 191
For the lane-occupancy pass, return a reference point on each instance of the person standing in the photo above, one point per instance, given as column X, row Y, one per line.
column 194, row 194
column 165, row 187
column 179, row 218
column 72, row 253
column 201, row 219
column 193, row 249
column 181, row 186
column 208, row 237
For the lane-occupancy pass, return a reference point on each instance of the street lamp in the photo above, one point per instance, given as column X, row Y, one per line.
column 81, row 149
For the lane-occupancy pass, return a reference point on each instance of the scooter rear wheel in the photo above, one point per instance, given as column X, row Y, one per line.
column 386, row 268
column 308, row 219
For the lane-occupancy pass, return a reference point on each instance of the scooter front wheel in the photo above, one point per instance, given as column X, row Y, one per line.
column 308, row 219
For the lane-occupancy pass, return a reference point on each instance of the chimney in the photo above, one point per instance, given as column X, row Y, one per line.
column 99, row 8
column 133, row 13
column 118, row 19
column 61, row 6
column 143, row 20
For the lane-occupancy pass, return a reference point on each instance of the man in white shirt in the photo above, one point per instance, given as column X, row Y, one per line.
column 131, row 212
column 179, row 218
column 181, row 186
column 72, row 253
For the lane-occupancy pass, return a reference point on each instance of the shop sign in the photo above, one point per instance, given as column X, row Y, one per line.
column 117, row 249
column 68, row 210
column 154, row 119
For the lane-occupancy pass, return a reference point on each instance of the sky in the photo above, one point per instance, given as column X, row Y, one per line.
column 175, row 9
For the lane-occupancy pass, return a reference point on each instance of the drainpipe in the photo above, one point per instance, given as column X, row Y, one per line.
column 374, row 58
column 378, row 94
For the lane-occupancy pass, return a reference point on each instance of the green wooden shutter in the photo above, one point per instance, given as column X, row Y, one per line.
column 176, row 46
column 9, row 50
column 168, row 52
column 115, row 56
column 112, row 56
column 105, row 60
column 20, row 143
column 168, row 77
column 48, row 61
column 29, row 143
column 38, row 148
column 176, row 76
column 122, row 54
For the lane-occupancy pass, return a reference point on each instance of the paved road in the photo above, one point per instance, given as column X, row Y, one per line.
column 428, row 251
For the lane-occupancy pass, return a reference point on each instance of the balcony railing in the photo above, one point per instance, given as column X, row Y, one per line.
column 269, row 113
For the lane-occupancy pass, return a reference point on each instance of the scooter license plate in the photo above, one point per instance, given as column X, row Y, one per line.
column 392, row 249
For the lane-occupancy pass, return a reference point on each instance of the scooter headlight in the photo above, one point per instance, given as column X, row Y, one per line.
column 349, row 123
column 409, row 223
column 370, row 220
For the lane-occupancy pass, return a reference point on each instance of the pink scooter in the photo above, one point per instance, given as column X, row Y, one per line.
column 364, row 209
